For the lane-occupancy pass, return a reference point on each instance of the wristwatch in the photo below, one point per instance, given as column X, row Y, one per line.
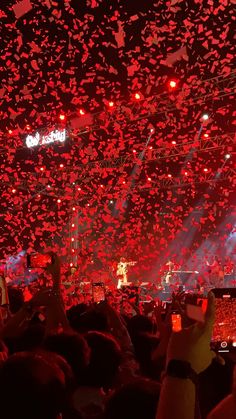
column 181, row 369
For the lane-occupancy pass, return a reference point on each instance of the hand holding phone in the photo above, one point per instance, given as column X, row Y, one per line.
column 98, row 291
column 176, row 321
column 224, row 331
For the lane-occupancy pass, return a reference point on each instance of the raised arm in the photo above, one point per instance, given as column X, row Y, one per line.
column 188, row 354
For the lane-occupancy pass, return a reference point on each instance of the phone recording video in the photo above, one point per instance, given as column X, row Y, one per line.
column 224, row 331
column 98, row 290
column 37, row 260
column 176, row 321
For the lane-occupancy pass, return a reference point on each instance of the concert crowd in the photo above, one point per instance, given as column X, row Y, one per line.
column 112, row 359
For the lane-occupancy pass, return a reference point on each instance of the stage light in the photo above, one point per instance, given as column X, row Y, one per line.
column 186, row 173
column 111, row 104
column 152, row 130
column 206, row 135
column 205, row 169
column 169, row 175
column 13, row 190
column 111, row 202
column 59, row 201
column 81, row 111
column 150, row 148
column 79, row 189
column 72, row 239
column 73, row 209
column 205, row 117
column 61, row 165
column 72, row 225
column 10, row 131
column 48, row 186
column 134, row 151
column 227, row 156
column 27, row 127
column 173, row 142
column 42, row 169
column 62, row 117
column 137, row 96
column 149, row 179
column 172, row 84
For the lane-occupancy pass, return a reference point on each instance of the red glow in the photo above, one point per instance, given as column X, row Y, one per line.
column 10, row 131
column 42, row 169
column 59, row 201
column 206, row 135
column 172, row 84
column 111, row 104
column 169, row 175
column 73, row 209
column 13, row 190
column 62, row 117
column 27, row 127
column 61, row 165
column 137, row 96
column 72, row 225
column 149, row 179
column 205, row 169
column 173, row 142
column 81, row 112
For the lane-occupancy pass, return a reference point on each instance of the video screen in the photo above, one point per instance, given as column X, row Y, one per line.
column 224, row 331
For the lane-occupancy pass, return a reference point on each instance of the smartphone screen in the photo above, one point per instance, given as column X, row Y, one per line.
column 224, row 331
column 38, row 260
column 98, row 292
column 176, row 322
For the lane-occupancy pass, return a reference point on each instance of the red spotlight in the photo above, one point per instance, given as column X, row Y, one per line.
column 59, row 201
column 205, row 169
column 61, row 165
column 111, row 104
column 13, row 190
column 62, row 117
column 173, row 142
column 206, row 135
column 169, row 175
column 81, row 111
column 10, row 131
column 172, row 84
column 137, row 96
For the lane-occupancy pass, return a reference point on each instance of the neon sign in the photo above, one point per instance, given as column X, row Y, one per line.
column 52, row 137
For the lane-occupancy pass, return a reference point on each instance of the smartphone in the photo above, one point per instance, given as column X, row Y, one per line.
column 38, row 260
column 176, row 321
column 98, row 291
column 224, row 330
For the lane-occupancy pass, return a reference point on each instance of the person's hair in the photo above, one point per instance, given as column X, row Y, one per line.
column 84, row 321
column 139, row 324
column 136, row 400
column 144, row 345
column 105, row 360
column 31, row 387
column 71, row 346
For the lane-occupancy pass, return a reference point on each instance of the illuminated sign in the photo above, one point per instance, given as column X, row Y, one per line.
column 38, row 139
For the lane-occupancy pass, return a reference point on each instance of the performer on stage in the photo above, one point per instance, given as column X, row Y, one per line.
column 216, row 272
column 122, row 272
column 169, row 268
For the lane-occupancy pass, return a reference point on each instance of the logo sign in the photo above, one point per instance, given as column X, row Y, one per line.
column 38, row 139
